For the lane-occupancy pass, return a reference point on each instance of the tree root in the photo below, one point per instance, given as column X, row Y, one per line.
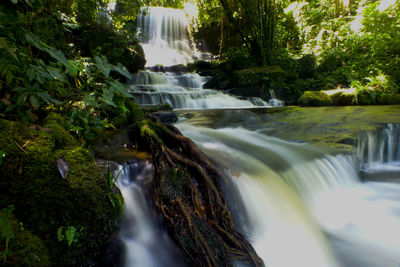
column 186, row 191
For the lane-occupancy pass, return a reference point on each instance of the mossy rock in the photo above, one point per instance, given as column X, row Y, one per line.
column 24, row 248
column 342, row 99
column 62, row 137
column 389, row 99
column 44, row 201
column 314, row 99
column 366, row 96
column 257, row 76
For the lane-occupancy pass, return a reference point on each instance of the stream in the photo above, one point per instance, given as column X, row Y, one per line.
column 298, row 204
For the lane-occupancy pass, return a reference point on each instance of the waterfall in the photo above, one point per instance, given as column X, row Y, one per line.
column 164, row 36
column 379, row 147
column 147, row 243
column 274, row 101
column 301, row 206
column 182, row 91
column 165, row 42
column 379, row 153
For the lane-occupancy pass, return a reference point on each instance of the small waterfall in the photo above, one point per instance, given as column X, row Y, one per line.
column 302, row 207
column 379, row 153
column 146, row 242
column 182, row 91
column 378, row 147
column 274, row 101
column 165, row 42
column 164, row 36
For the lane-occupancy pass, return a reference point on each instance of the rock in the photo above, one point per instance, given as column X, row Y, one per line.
column 114, row 253
column 247, row 91
column 224, row 84
column 166, row 117
column 314, row 99
column 62, row 167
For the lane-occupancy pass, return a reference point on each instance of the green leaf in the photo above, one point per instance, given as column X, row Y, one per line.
column 32, row 39
column 21, row 100
column 120, row 88
column 59, row 56
column 14, row 2
column 34, row 101
column 121, row 69
column 60, row 235
column 108, row 95
column 103, row 65
column 70, row 234
column 90, row 100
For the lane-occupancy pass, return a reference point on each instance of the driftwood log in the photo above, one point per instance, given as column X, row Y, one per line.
column 186, row 192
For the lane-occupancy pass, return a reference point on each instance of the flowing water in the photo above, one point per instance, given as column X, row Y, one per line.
column 165, row 42
column 146, row 242
column 297, row 204
column 307, row 208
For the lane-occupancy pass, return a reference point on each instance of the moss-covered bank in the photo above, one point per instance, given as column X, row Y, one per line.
column 45, row 203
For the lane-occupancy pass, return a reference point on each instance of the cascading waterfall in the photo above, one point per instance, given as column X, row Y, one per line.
column 147, row 244
column 183, row 91
column 297, row 205
column 164, row 36
column 166, row 43
column 304, row 207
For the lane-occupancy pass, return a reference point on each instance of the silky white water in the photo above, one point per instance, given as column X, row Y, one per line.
column 165, row 42
column 298, row 205
column 304, row 207
column 146, row 242
column 164, row 36
column 183, row 91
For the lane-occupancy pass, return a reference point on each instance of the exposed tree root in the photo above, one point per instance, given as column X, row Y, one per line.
column 186, row 191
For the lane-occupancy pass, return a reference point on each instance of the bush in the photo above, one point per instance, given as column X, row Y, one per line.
column 314, row 99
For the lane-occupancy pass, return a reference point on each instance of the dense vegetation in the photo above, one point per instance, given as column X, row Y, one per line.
column 318, row 44
column 63, row 68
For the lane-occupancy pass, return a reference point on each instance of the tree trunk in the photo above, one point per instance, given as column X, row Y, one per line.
column 186, row 192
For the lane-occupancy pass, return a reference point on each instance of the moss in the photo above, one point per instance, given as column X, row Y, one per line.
column 314, row 99
column 388, row 99
column 61, row 136
column 24, row 248
column 342, row 99
column 31, row 182
column 365, row 97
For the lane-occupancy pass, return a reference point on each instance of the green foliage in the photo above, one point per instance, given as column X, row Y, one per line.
column 70, row 234
column 113, row 193
column 80, row 201
column 18, row 246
